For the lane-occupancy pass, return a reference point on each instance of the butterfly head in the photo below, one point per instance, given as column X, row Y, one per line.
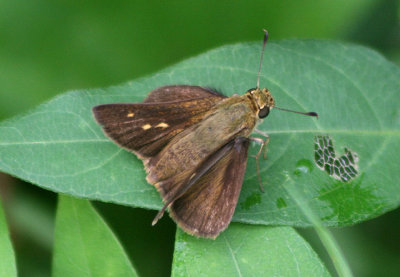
column 263, row 100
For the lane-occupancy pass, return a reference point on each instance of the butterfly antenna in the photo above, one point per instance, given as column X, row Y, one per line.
column 308, row 114
column 262, row 54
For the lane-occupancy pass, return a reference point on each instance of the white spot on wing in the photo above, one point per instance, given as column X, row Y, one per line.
column 146, row 126
column 162, row 125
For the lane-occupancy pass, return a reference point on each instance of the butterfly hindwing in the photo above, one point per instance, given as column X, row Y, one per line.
column 180, row 93
column 207, row 207
column 145, row 128
column 202, row 201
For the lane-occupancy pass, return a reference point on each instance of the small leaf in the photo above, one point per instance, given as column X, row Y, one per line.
column 244, row 250
column 60, row 147
column 7, row 260
column 84, row 244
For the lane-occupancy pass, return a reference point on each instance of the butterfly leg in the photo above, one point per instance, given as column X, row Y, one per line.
column 264, row 143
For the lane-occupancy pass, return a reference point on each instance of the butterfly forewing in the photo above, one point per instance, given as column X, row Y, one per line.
column 145, row 128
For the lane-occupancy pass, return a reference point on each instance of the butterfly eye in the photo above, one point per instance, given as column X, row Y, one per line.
column 263, row 112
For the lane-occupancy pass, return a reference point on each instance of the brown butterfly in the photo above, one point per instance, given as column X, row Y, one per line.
column 193, row 142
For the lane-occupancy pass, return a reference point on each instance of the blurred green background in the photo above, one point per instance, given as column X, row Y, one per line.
column 49, row 47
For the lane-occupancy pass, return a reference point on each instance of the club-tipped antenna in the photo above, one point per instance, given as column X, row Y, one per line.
column 308, row 114
column 261, row 59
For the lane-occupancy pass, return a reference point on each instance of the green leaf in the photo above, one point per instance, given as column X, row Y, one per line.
column 245, row 250
column 60, row 147
column 7, row 260
column 84, row 244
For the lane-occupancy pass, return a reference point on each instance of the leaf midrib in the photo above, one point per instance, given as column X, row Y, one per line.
column 325, row 131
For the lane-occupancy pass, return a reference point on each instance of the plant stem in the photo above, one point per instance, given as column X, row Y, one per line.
column 326, row 237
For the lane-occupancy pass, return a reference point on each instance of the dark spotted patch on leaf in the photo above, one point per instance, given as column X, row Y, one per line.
column 343, row 168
